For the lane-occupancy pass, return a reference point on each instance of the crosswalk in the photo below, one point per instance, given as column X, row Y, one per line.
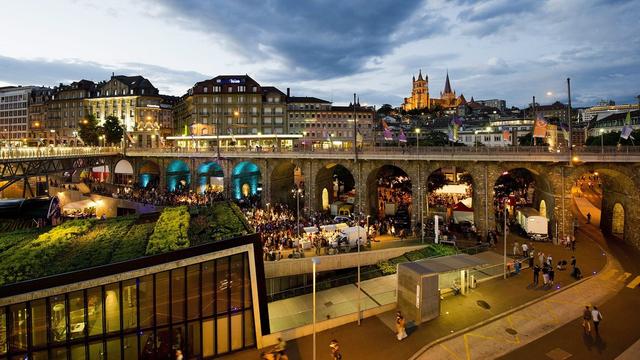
column 634, row 283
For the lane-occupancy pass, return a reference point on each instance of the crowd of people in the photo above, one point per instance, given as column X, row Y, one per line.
column 153, row 196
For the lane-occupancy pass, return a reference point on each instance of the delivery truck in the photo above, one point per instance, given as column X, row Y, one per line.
column 348, row 237
column 536, row 226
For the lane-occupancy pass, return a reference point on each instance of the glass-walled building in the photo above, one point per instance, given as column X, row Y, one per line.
column 206, row 306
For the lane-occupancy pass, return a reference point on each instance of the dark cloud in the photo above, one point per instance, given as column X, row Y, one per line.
column 53, row 72
column 316, row 39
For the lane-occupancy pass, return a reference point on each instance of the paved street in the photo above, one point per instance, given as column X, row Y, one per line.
column 457, row 313
column 619, row 328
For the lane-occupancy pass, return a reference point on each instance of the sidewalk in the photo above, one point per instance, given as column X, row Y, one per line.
column 513, row 330
column 375, row 338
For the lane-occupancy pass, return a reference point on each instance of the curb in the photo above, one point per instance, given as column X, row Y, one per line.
column 508, row 312
column 494, row 318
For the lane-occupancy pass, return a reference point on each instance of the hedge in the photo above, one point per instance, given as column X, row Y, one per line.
column 95, row 247
column 170, row 232
column 389, row 267
column 216, row 222
column 35, row 258
column 134, row 243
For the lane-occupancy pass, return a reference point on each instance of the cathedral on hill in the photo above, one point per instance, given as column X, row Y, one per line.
column 420, row 98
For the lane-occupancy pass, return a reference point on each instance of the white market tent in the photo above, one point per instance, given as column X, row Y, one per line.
column 79, row 205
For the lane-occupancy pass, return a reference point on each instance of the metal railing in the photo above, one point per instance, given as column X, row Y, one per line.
column 44, row 152
column 538, row 153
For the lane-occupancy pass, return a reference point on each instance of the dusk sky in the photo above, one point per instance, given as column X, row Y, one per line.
column 508, row 49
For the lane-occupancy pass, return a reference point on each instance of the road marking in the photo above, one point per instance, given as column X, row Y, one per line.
column 455, row 356
column 623, row 277
column 608, row 274
column 634, row 283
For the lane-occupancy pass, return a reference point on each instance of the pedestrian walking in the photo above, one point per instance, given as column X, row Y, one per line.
column 541, row 258
column 596, row 317
column 515, row 248
column 573, row 243
column 517, row 266
column 401, row 331
column 545, row 275
column 550, row 261
column 573, row 262
column 335, row 350
column 552, row 275
column 586, row 320
column 536, row 274
column 588, row 218
column 525, row 250
column 531, row 257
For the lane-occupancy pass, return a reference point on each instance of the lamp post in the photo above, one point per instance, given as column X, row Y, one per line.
column 475, row 140
column 304, row 140
column 297, row 193
column 53, row 132
column 504, row 230
column 602, row 141
column 315, row 262
column 417, row 140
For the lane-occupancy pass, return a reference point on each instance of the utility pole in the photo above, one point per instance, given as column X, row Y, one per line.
column 535, row 118
column 569, row 117
column 355, row 130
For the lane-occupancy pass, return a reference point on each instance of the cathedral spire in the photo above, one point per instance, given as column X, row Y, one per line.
column 420, row 75
column 447, row 85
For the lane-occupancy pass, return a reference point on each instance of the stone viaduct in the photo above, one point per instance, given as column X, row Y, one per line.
column 554, row 176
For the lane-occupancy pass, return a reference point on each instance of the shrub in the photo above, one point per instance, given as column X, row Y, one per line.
column 134, row 243
column 34, row 258
column 170, row 232
column 216, row 222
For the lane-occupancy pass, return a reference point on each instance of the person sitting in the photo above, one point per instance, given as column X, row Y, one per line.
column 455, row 287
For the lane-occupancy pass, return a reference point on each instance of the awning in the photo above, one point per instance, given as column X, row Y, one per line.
column 79, row 205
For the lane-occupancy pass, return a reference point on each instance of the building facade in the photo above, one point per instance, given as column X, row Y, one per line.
column 494, row 103
column 325, row 125
column 14, row 114
column 202, row 302
column 146, row 115
column 38, row 116
column 421, row 99
column 231, row 105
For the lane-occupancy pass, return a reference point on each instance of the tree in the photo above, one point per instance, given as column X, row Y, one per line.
column 527, row 140
column 612, row 139
column 436, row 181
column 385, row 109
column 89, row 130
column 113, row 130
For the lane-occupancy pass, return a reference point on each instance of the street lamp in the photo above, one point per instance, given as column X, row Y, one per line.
column 297, row 193
column 53, row 132
column 417, row 140
column 602, row 140
column 475, row 139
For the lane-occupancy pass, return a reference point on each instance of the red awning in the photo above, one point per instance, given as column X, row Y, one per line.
column 461, row 207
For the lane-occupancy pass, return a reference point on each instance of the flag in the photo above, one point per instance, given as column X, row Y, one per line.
column 384, row 125
column 626, row 132
column 387, row 134
column 402, row 137
column 565, row 130
column 451, row 134
column 540, row 129
column 456, row 122
column 505, row 135
column 359, row 137
column 627, row 120
column 186, row 131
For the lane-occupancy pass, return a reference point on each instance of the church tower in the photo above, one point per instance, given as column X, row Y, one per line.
column 419, row 93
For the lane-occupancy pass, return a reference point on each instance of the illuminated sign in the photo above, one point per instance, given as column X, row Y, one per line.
column 230, row 81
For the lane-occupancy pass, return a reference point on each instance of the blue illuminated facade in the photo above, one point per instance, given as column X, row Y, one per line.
column 246, row 180
column 178, row 175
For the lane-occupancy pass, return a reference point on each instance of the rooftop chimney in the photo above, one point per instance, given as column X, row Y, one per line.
column 288, row 92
